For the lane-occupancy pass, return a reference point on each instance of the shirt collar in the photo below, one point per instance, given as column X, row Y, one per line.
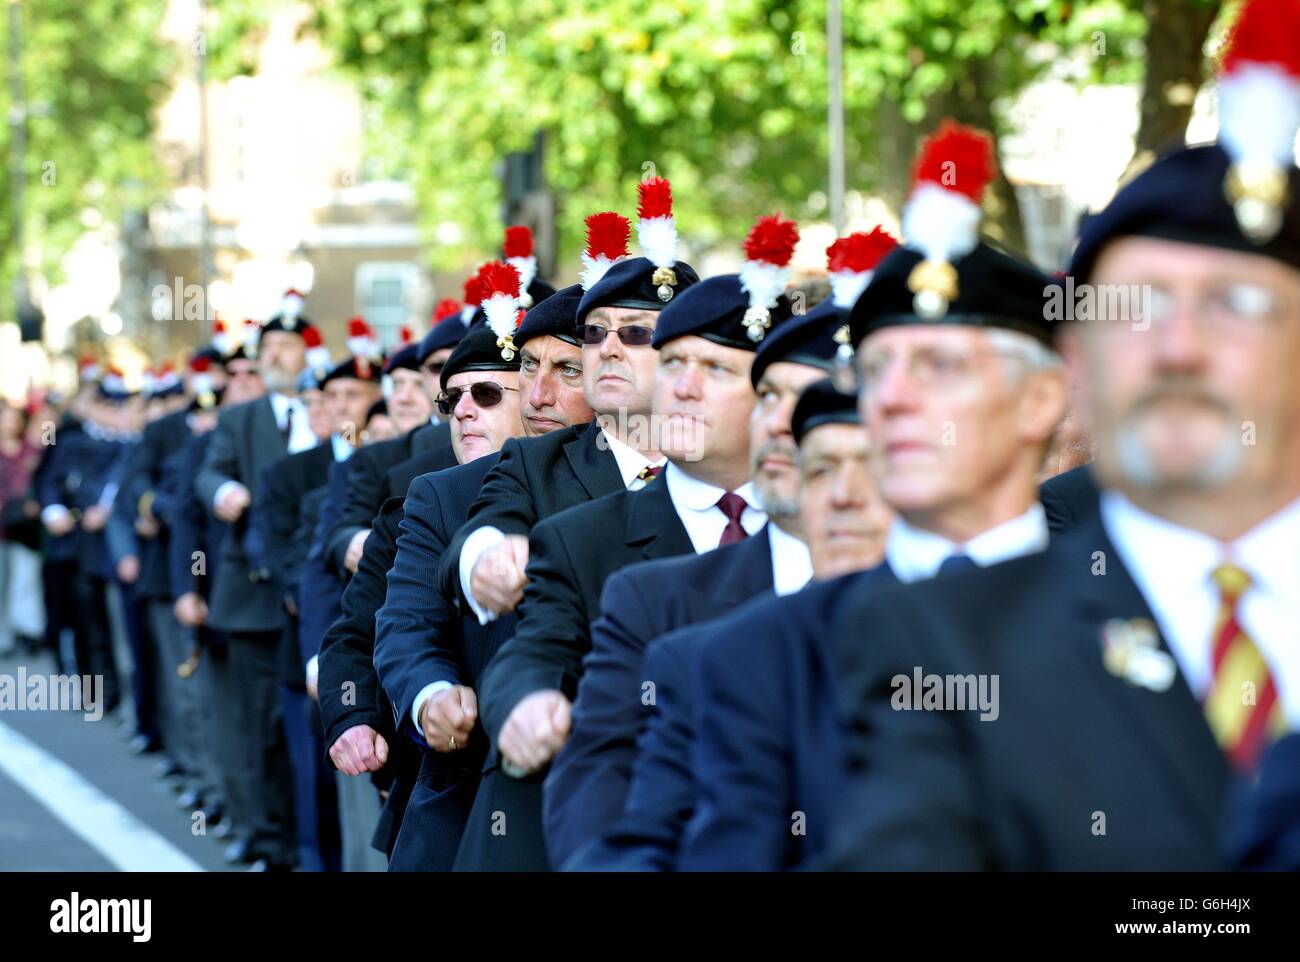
column 695, row 495
column 914, row 553
column 630, row 461
column 791, row 561
column 342, row 450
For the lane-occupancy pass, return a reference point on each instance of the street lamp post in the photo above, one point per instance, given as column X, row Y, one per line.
column 835, row 79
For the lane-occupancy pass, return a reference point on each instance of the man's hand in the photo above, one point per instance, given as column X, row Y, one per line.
column 146, row 526
column 128, row 569
column 61, row 524
column 95, row 517
column 357, row 545
column 536, row 730
column 233, row 502
column 358, row 750
column 498, row 580
column 190, row 609
column 450, row 713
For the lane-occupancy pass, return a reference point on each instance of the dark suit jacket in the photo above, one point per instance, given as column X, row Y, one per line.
column 534, row 479
column 588, row 780
column 143, row 475
column 1264, row 817
column 245, row 441
column 570, row 556
column 285, row 522
column 1069, row 498
column 320, row 592
column 418, row 640
column 1082, row 770
column 398, row 478
column 368, row 484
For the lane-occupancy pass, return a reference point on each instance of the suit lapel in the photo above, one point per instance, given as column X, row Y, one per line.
column 595, row 466
column 747, row 571
column 266, row 432
column 653, row 524
column 1169, row 724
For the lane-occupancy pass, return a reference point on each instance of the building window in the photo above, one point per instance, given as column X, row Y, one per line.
column 385, row 292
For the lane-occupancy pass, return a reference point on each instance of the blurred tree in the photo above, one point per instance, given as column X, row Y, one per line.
column 93, row 72
column 727, row 98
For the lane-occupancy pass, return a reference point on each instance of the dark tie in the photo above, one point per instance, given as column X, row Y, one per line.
column 955, row 563
column 733, row 506
column 286, row 430
column 649, row 472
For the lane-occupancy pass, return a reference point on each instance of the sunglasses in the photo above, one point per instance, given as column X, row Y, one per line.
column 634, row 335
column 486, row 394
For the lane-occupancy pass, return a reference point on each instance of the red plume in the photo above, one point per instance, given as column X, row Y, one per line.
column 357, row 327
column 1265, row 32
column 772, row 240
column 200, row 364
column 448, row 306
column 405, row 335
column 956, row 158
column 860, row 251
column 607, row 234
column 656, row 198
column 473, row 291
column 311, row 337
column 496, row 277
column 519, row 242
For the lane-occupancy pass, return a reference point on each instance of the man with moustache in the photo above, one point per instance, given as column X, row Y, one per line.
column 845, row 523
column 585, row 788
column 548, row 361
column 245, row 604
column 1129, row 699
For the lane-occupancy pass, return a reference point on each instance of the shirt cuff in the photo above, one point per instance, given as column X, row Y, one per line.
column 479, row 541
column 222, row 488
column 51, row 512
column 427, row 692
column 313, row 670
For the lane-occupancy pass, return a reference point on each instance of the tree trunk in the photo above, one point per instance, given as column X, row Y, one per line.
column 1176, row 32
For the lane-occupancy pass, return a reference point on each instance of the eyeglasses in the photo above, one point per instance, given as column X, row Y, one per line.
column 486, row 394
column 1231, row 307
column 634, row 335
column 930, row 367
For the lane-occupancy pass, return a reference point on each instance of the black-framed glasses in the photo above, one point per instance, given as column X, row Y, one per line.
column 486, row 394
column 634, row 335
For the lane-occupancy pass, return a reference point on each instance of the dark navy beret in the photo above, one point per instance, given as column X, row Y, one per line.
column 630, row 283
column 1181, row 198
column 406, row 357
column 995, row 290
column 283, row 322
column 555, row 316
column 477, row 351
column 715, row 310
column 822, row 403
column 358, row 368
column 812, row 339
column 446, row 333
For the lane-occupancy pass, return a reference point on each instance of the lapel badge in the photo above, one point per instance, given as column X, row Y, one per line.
column 1131, row 650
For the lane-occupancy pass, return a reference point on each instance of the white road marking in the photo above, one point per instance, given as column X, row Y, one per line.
column 97, row 819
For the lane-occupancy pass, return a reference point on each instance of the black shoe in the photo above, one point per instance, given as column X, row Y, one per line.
column 189, row 799
column 144, row 745
column 224, row 829
column 167, row 769
column 240, row 850
column 212, row 813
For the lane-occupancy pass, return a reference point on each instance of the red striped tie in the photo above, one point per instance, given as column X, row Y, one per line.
column 1242, row 706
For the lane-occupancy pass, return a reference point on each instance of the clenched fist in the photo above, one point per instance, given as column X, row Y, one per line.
column 498, row 580
column 536, row 730
column 449, row 714
column 234, row 501
column 358, row 750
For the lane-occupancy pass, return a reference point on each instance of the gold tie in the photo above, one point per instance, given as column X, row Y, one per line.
column 1242, row 706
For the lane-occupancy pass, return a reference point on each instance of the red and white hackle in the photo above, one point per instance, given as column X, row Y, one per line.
column 518, row 249
column 656, row 229
column 499, row 283
column 766, row 271
column 607, row 235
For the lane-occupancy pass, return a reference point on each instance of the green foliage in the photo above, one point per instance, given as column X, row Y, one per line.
column 94, row 71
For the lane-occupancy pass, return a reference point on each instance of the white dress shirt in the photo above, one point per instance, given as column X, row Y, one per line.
column 341, row 448
column 696, row 502
column 791, row 561
column 630, row 462
column 1171, row 566
column 915, row 554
